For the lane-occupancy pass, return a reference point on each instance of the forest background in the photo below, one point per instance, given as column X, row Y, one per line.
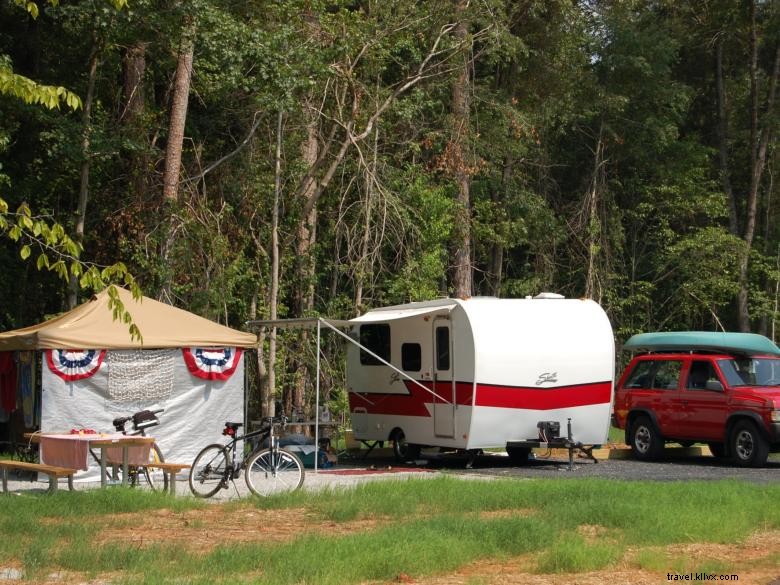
column 286, row 158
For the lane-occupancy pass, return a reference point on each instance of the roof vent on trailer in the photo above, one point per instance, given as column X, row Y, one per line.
column 549, row 295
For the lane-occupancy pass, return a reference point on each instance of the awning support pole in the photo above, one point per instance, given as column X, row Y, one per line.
column 317, row 403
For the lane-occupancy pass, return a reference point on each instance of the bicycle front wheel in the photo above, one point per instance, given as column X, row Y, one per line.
column 274, row 471
column 150, row 478
column 210, row 470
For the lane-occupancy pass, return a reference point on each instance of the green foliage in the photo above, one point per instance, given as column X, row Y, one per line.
column 570, row 103
column 31, row 92
column 429, row 220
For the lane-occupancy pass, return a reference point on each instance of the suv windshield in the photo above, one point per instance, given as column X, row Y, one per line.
column 751, row 371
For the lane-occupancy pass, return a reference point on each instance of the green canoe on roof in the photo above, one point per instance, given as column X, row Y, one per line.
column 739, row 343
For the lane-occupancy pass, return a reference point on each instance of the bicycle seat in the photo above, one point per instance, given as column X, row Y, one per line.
column 234, row 425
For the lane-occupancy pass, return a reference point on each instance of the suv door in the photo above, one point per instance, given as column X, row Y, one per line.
column 653, row 386
column 703, row 403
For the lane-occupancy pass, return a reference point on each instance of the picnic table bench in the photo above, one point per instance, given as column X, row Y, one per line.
column 53, row 471
column 170, row 470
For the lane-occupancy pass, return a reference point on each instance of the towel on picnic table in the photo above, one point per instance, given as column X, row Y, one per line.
column 63, row 451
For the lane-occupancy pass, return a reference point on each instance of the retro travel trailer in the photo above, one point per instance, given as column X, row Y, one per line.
column 481, row 373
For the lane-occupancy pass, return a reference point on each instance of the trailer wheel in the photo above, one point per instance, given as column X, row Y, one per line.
column 518, row 455
column 647, row 444
column 402, row 450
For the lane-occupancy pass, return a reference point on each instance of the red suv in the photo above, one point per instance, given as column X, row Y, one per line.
column 724, row 394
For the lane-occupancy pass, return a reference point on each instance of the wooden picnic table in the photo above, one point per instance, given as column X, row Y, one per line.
column 106, row 442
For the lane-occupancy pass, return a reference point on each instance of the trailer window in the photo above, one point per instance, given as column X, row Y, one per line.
column 411, row 357
column 376, row 338
column 442, row 348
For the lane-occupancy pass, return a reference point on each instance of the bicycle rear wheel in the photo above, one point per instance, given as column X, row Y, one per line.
column 149, row 478
column 210, row 470
column 272, row 472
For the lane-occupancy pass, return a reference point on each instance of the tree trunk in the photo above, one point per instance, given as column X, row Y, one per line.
column 133, row 94
column 303, row 290
column 81, row 211
column 173, row 149
column 723, row 146
column 760, row 135
column 758, row 162
column 496, row 270
column 179, row 101
column 132, row 114
column 593, row 228
column 364, row 261
column 460, row 122
column 270, row 391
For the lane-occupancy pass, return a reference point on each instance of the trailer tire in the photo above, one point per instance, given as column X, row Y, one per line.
column 402, row 450
column 647, row 444
column 518, row 455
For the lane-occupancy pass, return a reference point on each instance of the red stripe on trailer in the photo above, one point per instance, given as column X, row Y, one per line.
column 530, row 398
column 544, row 398
column 411, row 404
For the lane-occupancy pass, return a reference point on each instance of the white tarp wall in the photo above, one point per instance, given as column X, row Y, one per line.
column 127, row 381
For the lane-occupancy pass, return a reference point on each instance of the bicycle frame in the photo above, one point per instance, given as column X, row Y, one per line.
column 267, row 468
column 264, row 433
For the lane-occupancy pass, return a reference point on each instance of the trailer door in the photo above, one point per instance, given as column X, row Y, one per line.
column 443, row 380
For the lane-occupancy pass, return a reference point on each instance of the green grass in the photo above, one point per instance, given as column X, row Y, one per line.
column 616, row 436
column 572, row 554
column 426, row 527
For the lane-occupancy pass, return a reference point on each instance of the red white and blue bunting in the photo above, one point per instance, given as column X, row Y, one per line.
column 212, row 363
column 75, row 364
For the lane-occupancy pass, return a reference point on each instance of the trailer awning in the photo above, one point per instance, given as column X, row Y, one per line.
column 378, row 316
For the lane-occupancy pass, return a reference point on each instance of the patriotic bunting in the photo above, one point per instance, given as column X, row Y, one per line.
column 212, row 363
column 75, row 364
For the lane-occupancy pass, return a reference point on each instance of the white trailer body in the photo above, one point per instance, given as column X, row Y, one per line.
column 482, row 372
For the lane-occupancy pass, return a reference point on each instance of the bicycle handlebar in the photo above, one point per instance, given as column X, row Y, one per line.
column 141, row 420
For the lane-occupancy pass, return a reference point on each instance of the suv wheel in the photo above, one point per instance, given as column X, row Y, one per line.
column 748, row 448
column 647, row 444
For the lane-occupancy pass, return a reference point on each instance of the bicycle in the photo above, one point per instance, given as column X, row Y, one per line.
column 25, row 452
column 139, row 475
column 267, row 470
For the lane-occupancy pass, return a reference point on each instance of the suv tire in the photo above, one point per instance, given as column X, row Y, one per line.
column 748, row 448
column 647, row 444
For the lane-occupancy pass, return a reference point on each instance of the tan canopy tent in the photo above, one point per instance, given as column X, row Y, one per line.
column 89, row 371
column 92, row 325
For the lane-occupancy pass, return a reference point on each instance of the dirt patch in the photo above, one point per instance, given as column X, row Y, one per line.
column 754, row 562
column 197, row 531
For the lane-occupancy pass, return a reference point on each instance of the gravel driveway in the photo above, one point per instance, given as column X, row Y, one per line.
column 677, row 468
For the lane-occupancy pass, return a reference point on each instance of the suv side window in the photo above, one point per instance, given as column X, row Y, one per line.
column 700, row 374
column 667, row 375
column 642, row 376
